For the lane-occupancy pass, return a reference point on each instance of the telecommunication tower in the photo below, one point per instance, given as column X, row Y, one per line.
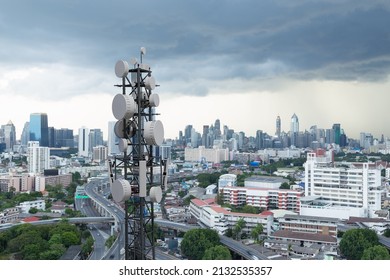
column 139, row 174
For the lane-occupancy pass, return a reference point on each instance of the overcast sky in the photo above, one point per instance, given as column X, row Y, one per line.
column 243, row 62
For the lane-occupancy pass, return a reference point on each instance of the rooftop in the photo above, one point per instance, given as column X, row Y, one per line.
column 266, row 179
column 303, row 236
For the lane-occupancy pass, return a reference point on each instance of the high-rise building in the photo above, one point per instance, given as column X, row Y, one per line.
column 294, row 130
column 241, row 140
column 194, row 138
column 187, row 134
column 38, row 157
column 95, row 138
column 205, row 139
column 259, row 139
column 217, row 129
column 39, row 130
column 83, row 142
column 25, row 137
column 337, row 132
column 99, row 154
column 9, row 134
column 165, row 152
column 112, row 140
column 294, row 127
column 63, row 138
column 278, row 126
column 340, row 192
column 51, row 132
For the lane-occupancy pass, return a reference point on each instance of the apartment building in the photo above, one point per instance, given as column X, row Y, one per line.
column 352, row 190
column 262, row 198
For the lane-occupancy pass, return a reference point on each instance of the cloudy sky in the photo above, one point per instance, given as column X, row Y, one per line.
column 243, row 62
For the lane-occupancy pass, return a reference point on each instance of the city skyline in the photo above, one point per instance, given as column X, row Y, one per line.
column 243, row 63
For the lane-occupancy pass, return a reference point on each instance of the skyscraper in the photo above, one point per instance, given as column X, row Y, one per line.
column 63, row 138
column 294, row 124
column 39, row 130
column 187, row 134
column 25, row 137
column 95, row 138
column 83, row 142
column 217, row 129
column 205, row 141
column 9, row 135
column 337, row 132
column 278, row 126
column 294, row 130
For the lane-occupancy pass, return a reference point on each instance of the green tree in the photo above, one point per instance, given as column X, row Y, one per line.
column 188, row 199
column 387, row 232
column 229, row 233
column 24, row 239
column 284, row 185
column 70, row 238
column 87, row 248
column 250, row 209
column 237, row 229
column 33, row 210
column 377, row 252
column 76, row 177
column 256, row 231
column 218, row 252
column 54, row 253
column 196, row 241
column 355, row 241
column 110, row 241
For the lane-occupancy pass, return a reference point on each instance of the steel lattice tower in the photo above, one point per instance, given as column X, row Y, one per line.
column 138, row 173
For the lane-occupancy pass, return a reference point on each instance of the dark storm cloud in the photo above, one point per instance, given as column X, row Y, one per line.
column 341, row 40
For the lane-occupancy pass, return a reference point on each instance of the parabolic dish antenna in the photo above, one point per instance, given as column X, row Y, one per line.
column 155, row 194
column 124, row 106
column 121, row 68
column 150, row 83
column 121, row 190
column 154, row 133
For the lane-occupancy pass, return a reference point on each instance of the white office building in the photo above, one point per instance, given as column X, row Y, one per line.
column 38, row 157
column 215, row 155
column 83, row 142
column 340, row 192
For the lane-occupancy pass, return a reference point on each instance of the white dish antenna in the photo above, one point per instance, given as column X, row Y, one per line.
column 121, row 190
column 119, row 128
column 121, row 69
column 154, row 100
column 155, row 194
column 154, row 133
column 123, row 144
column 124, row 106
column 150, row 83
column 133, row 61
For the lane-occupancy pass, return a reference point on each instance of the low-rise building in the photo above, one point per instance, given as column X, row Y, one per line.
column 27, row 205
column 9, row 215
column 309, row 224
column 221, row 219
column 262, row 198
